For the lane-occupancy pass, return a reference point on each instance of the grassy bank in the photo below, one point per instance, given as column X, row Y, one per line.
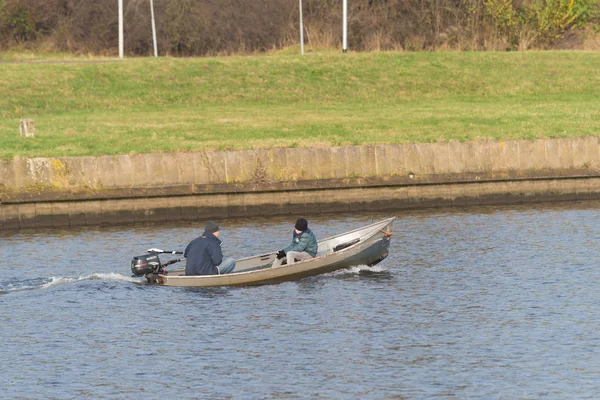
column 148, row 105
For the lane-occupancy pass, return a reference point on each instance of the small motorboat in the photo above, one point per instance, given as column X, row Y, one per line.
column 368, row 245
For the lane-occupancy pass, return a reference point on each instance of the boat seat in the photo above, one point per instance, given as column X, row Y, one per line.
column 346, row 245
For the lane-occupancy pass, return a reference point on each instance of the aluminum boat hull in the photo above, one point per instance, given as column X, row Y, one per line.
column 365, row 246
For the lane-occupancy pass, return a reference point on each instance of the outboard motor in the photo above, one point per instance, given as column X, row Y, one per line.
column 146, row 264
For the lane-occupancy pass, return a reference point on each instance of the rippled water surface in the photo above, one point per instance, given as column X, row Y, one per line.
column 488, row 303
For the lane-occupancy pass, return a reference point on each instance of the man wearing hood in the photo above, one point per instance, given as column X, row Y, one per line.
column 303, row 247
column 204, row 256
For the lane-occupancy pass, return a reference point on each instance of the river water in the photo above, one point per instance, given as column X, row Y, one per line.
column 488, row 302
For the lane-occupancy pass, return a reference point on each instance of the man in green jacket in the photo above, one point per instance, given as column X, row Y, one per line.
column 303, row 247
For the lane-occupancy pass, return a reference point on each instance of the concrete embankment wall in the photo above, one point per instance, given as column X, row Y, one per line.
column 46, row 192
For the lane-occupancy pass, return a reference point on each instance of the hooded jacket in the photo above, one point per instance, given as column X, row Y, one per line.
column 203, row 254
column 304, row 241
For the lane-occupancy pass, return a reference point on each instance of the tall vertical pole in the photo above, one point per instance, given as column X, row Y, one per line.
column 345, row 28
column 120, row 28
column 301, row 31
column 153, row 28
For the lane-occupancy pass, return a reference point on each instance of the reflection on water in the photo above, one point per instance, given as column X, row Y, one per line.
column 490, row 302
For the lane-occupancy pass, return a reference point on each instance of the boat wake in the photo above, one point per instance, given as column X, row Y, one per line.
column 358, row 270
column 45, row 283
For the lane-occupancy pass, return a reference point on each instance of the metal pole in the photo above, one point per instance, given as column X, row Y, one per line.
column 345, row 28
column 301, row 31
column 120, row 28
column 153, row 28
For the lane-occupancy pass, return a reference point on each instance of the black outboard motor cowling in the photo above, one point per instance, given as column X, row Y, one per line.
column 145, row 264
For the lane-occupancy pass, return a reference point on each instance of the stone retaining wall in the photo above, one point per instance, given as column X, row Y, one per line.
column 43, row 192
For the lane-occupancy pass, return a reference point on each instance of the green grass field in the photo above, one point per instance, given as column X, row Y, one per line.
column 321, row 99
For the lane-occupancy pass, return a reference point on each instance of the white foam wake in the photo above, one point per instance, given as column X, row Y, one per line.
column 357, row 270
column 45, row 283
column 101, row 277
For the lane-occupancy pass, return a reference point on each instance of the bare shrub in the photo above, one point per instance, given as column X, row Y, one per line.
column 192, row 27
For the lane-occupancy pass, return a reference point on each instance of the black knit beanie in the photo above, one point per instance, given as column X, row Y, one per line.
column 301, row 224
column 211, row 227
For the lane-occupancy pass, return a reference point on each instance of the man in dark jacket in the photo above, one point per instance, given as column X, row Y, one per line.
column 303, row 247
column 204, row 256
